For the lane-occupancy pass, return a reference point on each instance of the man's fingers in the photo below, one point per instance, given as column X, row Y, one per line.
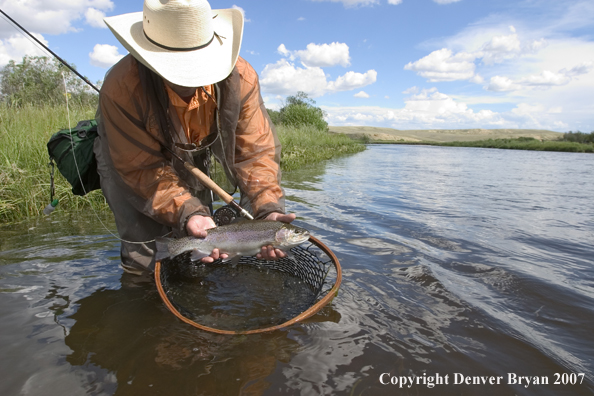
column 285, row 218
column 215, row 255
column 270, row 253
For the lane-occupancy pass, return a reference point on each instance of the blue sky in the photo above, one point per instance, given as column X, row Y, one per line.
column 404, row 64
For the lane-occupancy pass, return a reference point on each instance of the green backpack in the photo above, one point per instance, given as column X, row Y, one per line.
column 73, row 153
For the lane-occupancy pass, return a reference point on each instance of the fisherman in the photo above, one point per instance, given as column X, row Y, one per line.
column 183, row 87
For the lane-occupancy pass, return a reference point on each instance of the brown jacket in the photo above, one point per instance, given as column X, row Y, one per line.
column 248, row 146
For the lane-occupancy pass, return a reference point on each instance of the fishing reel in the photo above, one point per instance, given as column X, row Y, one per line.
column 225, row 215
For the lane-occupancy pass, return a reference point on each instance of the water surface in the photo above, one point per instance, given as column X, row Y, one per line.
column 456, row 262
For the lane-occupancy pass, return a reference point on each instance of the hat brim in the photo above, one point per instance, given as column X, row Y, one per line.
column 194, row 68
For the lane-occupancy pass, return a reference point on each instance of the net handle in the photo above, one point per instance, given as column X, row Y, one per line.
column 304, row 315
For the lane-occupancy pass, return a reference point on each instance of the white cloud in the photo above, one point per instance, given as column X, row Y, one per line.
column 320, row 55
column 428, row 109
column 445, row 65
column 353, row 3
column 501, row 48
column 242, row 12
column 504, row 47
column 352, row 80
column 411, row 90
column 104, row 55
column 357, row 3
column 94, row 18
column 283, row 50
column 442, row 65
column 361, row 94
column 501, row 84
column 283, row 77
column 52, row 17
column 545, row 79
column 431, row 109
column 583, row 68
column 14, row 48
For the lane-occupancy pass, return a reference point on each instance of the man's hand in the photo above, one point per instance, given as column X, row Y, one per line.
column 197, row 226
column 285, row 218
column 269, row 252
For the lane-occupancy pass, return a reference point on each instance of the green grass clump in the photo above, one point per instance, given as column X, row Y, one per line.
column 306, row 145
column 24, row 170
column 25, row 174
column 525, row 143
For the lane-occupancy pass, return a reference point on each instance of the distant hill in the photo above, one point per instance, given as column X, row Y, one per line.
column 441, row 135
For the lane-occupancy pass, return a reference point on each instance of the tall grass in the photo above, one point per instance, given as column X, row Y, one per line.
column 24, row 170
column 25, row 174
column 306, row 145
column 526, row 143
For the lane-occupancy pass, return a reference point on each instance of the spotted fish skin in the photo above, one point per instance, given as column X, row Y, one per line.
column 244, row 238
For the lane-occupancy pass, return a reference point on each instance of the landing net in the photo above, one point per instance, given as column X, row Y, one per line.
column 253, row 296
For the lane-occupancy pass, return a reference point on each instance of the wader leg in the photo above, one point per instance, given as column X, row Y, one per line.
column 133, row 226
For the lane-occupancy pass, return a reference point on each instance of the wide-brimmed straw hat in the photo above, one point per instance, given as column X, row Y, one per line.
column 183, row 41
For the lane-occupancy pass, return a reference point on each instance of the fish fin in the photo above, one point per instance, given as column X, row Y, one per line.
column 197, row 255
column 162, row 250
column 233, row 260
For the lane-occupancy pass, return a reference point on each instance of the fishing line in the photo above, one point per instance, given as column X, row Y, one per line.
column 80, row 177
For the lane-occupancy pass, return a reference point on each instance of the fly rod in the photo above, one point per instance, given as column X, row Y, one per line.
column 50, row 51
column 211, row 185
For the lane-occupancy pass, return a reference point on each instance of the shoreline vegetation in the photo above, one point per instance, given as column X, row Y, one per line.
column 511, row 139
column 25, row 174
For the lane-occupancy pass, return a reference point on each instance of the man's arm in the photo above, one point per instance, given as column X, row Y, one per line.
column 257, row 157
column 154, row 187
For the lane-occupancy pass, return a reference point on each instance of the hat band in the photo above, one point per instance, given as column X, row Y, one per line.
column 178, row 49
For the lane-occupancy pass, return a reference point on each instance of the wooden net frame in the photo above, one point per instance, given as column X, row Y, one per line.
column 313, row 263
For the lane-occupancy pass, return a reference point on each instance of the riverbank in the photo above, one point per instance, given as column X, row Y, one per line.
column 524, row 143
column 511, row 139
column 25, row 175
column 389, row 135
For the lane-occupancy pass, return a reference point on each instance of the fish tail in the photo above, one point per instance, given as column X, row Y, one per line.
column 162, row 251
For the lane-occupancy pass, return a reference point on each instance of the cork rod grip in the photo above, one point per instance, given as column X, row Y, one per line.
column 209, row 183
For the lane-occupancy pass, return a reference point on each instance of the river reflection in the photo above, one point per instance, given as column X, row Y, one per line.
column 130, row 343
column 456, row 262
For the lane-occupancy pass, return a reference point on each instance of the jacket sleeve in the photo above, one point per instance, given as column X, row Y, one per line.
column 153, row 186
column 257, row 151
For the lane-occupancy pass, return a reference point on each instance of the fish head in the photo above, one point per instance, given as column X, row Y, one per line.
column 289, row 236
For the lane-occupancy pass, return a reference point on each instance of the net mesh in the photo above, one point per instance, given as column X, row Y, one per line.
column 311, row 274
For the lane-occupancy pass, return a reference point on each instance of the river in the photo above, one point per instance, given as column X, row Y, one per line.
column 466, row 271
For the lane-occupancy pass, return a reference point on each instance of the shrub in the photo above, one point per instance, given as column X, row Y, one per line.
column 578, row 137
column 299, row 110
column 302, row 115
column 38, row 80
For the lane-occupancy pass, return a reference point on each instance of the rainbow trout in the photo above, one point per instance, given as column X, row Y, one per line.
column 244, row 238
